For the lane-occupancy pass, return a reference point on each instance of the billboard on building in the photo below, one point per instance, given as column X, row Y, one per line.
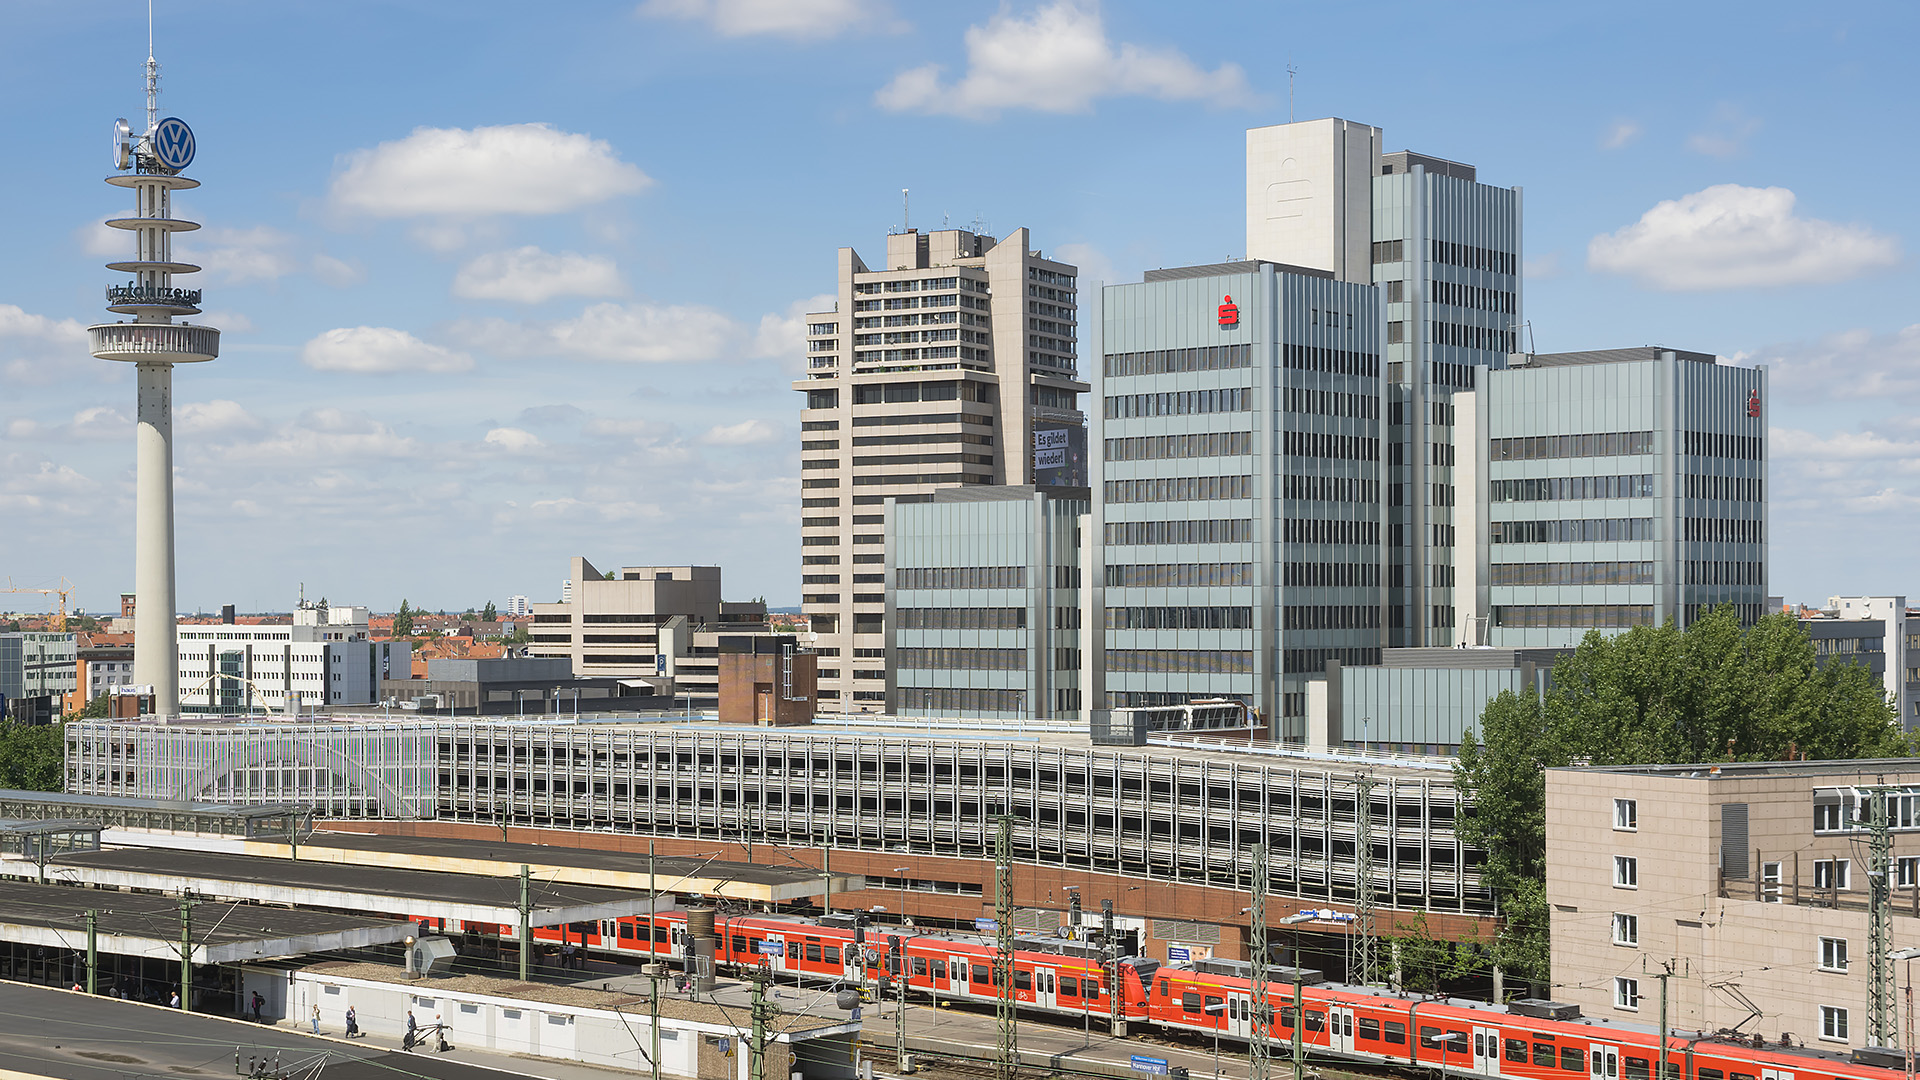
column 1060, row 456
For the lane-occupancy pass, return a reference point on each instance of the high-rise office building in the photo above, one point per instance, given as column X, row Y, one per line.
column 952, row 363
column 1238, row 487
column 1445, row 250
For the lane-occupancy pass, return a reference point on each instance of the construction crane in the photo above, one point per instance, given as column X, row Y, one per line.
column 64, row 590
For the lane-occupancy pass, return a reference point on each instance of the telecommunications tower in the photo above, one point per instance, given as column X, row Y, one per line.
column 150, row 165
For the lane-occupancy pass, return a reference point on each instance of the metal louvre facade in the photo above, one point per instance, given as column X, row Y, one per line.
column 355, row 770
column 1183, row 816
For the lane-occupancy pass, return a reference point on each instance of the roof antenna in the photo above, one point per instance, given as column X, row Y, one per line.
column 904, row 226
column 1291, row 72
column 153, row 77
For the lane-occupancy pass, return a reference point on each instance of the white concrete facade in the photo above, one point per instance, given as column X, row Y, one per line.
column 284, row 667
column 1310, row 195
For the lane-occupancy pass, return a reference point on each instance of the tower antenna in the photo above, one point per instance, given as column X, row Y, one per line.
column 1291, row 72
column 905, row 226
column 153, row 77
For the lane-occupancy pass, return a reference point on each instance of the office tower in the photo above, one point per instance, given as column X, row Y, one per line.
column 1239, row 487
column 952, row 363
column 983, row 603
column 1445, row 251
column 1610, row 489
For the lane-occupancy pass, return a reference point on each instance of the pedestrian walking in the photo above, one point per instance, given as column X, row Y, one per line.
column 353, row 1023
column 174, row 1001
column 316, row 1019
column 258, row 1003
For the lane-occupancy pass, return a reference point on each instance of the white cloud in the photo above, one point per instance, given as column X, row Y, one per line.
column 782, row 18
column 1620, row 133
column 510, row 169
column 1543, row 266
column 1853, row 364
column 1058, row 59
column 259, row 253
column 338, row 273
column 1095, row 267
column 100, row 422
column 97, row 239
column 35, row 348
column 379, row 350
column 213, row 417
column 636, row 333
column 513, row 440
column 1728, row 237
column 635, row 428
column 228, row 322
column 529, row 275
column 744, row 433
column 1728, row 134
column 784, row 335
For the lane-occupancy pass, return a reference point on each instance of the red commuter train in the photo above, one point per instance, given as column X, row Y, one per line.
column 1521, row 1040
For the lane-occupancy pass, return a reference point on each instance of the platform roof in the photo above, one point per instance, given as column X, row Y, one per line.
column 347, row 884
column 134, row 924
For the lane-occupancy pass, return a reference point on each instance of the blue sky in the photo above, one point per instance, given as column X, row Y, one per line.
column 506, row 283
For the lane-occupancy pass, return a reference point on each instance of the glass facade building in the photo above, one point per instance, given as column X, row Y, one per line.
column 1236, row 448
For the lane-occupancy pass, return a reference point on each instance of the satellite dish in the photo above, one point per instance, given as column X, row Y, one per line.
column 122, row 144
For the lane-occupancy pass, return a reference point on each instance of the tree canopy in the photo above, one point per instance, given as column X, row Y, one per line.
column 1653, row 695
column 32, row 757
column 403, row 621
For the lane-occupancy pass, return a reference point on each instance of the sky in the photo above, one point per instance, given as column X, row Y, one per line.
column 501, row 284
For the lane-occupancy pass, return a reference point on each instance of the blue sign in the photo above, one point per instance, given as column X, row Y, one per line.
column 987, row 926
column 1156, row 1066
column 173, row 143
column 770, row 948
column 1178, row 955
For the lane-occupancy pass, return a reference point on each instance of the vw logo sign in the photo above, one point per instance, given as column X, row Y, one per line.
column 173, row 143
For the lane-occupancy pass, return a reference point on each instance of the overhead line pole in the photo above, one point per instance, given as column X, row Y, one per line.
column 1007, row 1061
column 1259, row 1054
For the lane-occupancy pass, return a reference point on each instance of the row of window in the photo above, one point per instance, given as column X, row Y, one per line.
column 1165, row 447
column 998, row 618
column 1179, row 403
column 1576, row 616
column 1717, row 444
column 1178, row 575
column 923, row 459
column 896, row 420
column 1172, row 361
column 1179, row 489
column 1573, row 573
column 1180, row 661
column 1330, row 617
column 972, row 437
column 1571, row 531
column 957, row 659
column 960, row 577
column 1625, row 486
column 883, row 479
column 1215, row 531
column 1179, row 618
column 1597, row 444
column 1720, row 572
column 870, row 288
column 1729, row 488
column 1330, row 403
column 1330, row 361
column 1322, row 445
column 1330, row 488
column 891, row 393
column 1467, row 296
column 1318, row 531
column 1295, row 661
column 1724, row 531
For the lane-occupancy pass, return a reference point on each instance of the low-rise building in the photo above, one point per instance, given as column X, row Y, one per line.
column 1745, row 885
column 512, row 685
column 321, row 657
column 104, row 662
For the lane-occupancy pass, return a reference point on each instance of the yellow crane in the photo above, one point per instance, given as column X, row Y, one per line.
column 63, row 590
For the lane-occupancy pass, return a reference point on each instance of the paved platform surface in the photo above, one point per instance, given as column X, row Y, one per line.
column 959, row 1033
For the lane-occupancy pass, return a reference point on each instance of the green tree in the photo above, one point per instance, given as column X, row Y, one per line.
column 99, row 708
column 403, row 621
column 1653, row 695
column 32, row 757
column 520, row 636
column 1427, row 963
column 490, row 613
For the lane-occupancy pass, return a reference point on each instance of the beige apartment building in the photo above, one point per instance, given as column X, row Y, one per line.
column 658, row 627
column 1746, row 884
column 953, row 362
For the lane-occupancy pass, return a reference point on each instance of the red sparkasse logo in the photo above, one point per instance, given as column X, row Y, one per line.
column 1229, row 312
column 1753, row 404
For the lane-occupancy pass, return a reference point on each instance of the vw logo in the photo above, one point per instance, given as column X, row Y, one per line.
column 173, row 143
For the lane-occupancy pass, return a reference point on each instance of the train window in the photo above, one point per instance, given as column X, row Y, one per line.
column 1093, row 990
column 626, row 931
column 1316, row 1021
column 1710, row 1074
column 1190, row 1001
column 1638, row 1068
column 739, row 943
column 1396, row 1032
column 1741, row 1076
column 1163, row 988
column 813, row 952
column 662, row 935
column 920, row 966
column 1480, row 1045
column 831, row 954
column 1543, row 1055
column 1023, row 980
column 1369, row 1028
column 1214, row 1003
column 793, row 951
column 960, row 971
column 1069, row 986
column 1287, row 1014
column 1572, row 1060
column 1457, row 1038
column 1517, row 1050
column 980, row 974
column 1429, row 1037
column 939, row 969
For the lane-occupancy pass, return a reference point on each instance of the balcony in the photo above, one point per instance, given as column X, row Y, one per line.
column 153, row 343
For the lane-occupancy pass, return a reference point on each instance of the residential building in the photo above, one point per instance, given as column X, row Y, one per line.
column 1237, row 450
column 38, row 670
column 1606, row 490
column 518, row 607
column 658, row 627
column 104, row 662
column 983, row 603
column 1446, row 253
column 322, row 657
column 952, row 363
column 1747, row 881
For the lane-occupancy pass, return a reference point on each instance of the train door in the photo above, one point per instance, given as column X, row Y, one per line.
column 1339, row 1029
column 1486, row 1051
column 1045, row 988
column 956, row 975
column 1239, row 1015
column 678, row 934
column 1604, row 1062
column 1776, row 1074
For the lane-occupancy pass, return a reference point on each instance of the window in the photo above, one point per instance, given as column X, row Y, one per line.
column 1626, row 929
column 1543, row 1055
column 1626, row 814
column 1833, row 954
column 1829, row 817
column 1572, row 1060
column 1626, row 872
column 1770, row 882
column 1190, row 1002
column 1833, row 1023
column 1832, row 874
column 1626, row 994
column 1637, row 1068
column 1517, row 1050
column 1907, row 870
column 1370, row 1028
column 1396, row 1032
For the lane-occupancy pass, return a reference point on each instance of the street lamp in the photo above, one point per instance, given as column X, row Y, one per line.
column 903, row 870
column 1908, row 956
column 1220, row 1008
